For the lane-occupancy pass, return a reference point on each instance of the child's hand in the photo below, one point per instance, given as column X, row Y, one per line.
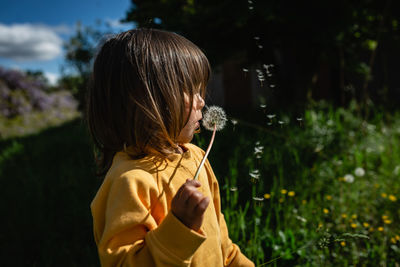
column 189, row 205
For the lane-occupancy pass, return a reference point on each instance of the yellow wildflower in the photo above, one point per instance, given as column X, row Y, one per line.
column 385, row 217
column 397, row 237
column 283, row 191
column 304, row 201
column 371, row 229
column 281, row 200
column 267, row 196
column 366, row 225
column 328, row 197
column 326, row 211
column 392, row 198
column 320, row 225
column 354, row 216
column 343, row 243
column 380, row 229
column 393, row 240
column 291, row 194
column 384, row 195
column 344, row 215
column 353, row 225
column 387, row 221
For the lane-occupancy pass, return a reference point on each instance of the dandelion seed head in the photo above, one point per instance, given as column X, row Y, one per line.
column 348, row 178
column 234, row 122
column 359, row 172
column 214, row 116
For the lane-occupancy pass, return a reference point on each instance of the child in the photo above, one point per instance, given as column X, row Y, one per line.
column 144, row 106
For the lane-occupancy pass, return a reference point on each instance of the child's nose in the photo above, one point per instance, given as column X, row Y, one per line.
column 200, row 101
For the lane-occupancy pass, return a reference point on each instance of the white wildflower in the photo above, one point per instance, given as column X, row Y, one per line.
column 348, row 178
column 214, row 116
column 360, row 172
column 271, row 116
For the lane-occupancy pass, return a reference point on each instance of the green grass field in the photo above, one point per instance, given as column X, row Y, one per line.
column 323, row 190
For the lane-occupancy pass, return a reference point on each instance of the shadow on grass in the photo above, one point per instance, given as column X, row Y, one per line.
column 47, row 183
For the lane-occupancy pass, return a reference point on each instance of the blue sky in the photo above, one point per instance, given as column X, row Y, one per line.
column 32, row 32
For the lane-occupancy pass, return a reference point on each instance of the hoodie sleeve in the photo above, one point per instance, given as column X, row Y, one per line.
column 231, row 252
column 127, row 233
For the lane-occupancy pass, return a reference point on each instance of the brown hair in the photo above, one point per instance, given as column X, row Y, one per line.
column 136, row 97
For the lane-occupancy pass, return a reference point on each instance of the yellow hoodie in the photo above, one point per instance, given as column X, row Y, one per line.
column 133, row 225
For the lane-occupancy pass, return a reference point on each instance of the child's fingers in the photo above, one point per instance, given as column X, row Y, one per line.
column 202, row 206
column 192, row 182
column 193, row 200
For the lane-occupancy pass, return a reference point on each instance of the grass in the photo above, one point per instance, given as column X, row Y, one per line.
column 299, row 210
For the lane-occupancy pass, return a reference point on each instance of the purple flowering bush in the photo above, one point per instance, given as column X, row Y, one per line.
column 27, row 105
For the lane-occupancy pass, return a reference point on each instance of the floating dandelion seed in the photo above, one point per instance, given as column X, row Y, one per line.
column 251, row 8
column 234, row 122
column 255, row 175
column 214, row 119
column 272, row 85
column 281, row 122
column 233, row 189
column 263, row 106
column 302, row 219
column 258, row 198
column 256, row 38
column 269, row 123
column 260, row 46
column 245, row 70
column 271, row 116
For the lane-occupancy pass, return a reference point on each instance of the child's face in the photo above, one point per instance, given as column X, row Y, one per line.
column 193, row 124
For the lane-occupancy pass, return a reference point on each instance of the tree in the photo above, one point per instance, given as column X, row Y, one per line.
column 320, row 48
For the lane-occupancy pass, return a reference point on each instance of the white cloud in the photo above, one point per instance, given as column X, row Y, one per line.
column 52, row 77
column 25, row 42
column 116, row 24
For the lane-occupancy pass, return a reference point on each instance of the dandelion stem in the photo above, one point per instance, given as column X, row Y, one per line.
column 196, row 176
